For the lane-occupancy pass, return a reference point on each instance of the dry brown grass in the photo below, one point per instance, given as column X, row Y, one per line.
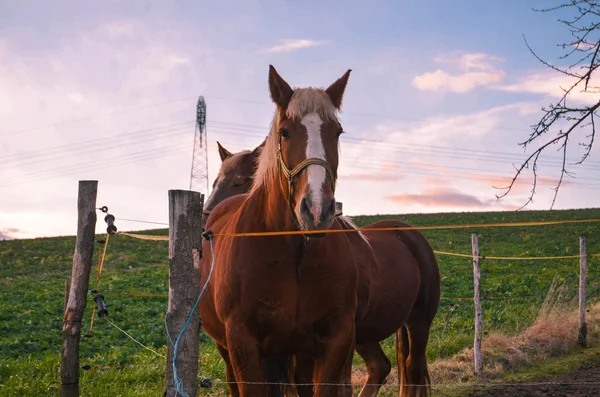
column 554, row 333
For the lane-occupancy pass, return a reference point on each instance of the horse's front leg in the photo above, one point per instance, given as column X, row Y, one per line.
column 333, row 366
column 303, row 375
column 245, row 359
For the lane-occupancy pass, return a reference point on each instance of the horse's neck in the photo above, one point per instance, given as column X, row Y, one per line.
column 273, row 208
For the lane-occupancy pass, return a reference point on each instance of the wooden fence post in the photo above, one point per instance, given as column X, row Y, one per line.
column 67, row 287
column 477, row 303
column 80, row 278
column 582, row 295
column 185, row 234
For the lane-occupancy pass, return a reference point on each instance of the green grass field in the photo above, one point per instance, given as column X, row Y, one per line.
column 33, row 272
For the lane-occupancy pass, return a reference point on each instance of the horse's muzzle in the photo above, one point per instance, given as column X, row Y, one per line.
column 315, row 218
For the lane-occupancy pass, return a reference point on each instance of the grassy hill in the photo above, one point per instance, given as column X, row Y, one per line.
column 33, row 272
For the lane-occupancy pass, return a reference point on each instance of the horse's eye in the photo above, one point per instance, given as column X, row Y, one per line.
column 239, row 181
column 284, row 133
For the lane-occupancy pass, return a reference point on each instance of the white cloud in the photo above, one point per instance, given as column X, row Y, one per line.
column 551, row 84
column 583, row 46
column 475, row 69
column 288, row 45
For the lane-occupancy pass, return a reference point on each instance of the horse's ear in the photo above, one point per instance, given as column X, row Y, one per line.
column 281, row 92
column 336, row 90
column 260, row 147
column 224, row 153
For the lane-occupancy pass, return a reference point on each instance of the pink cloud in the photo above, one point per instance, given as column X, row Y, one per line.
column 443, row 197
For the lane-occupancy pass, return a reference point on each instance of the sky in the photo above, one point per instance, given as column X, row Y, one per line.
column 440, row 95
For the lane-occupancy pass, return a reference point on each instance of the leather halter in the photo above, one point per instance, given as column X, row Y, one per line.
column 290, row 174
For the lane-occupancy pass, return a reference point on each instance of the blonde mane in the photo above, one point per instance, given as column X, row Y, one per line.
column 304, row 101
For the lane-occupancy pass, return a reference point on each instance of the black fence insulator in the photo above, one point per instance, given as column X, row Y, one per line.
column 338, row 209
column 104, row 209
column 110, row 220
column 102, row 312
column 208, row 235
column 206, row 383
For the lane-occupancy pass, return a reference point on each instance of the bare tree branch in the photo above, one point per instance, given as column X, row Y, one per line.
column 560, row 120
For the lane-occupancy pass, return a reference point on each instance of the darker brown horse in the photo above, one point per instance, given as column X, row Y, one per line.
column 387, row 289
column 274, row 297
column 235, row 176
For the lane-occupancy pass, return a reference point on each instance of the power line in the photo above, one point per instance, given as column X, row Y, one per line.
column 411, row 167
column 103, row 144
column 95, row 165
column 154, row 153
column 470, row 151
column 96, row 141
column 389, row 147
column 71, row 121
column 440, row 151
column 119, row 143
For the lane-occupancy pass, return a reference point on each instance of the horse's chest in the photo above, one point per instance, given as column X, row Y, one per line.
column 284, row 298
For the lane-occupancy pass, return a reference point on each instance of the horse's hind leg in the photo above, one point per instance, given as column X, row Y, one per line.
column 378, row 368
column 413, row 373
column 233, row 388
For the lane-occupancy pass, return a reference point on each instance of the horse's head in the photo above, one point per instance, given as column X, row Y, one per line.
column 305, row 136
column 235, row 176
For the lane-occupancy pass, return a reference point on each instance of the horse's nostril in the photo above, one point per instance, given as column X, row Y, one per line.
column 305, row 205
column 330, row 208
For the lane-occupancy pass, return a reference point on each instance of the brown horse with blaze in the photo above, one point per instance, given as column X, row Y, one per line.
column 271, row 298
column 399, row 290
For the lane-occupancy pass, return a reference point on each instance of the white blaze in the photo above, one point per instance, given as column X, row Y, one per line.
column 316, row 173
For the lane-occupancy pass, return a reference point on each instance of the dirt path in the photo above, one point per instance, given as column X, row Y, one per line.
column 583, row 382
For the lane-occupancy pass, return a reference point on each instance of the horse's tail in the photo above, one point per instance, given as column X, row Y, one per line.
column 405, row 382
column 402, row 351
column 277, row 375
